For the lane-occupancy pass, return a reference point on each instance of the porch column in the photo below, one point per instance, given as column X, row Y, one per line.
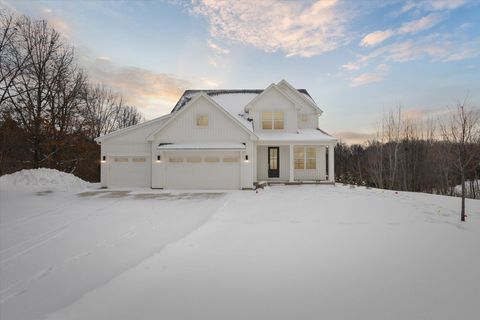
column 292, row 165
column 331, row 163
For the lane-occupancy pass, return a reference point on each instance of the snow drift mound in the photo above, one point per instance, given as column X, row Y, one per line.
column 44, row 179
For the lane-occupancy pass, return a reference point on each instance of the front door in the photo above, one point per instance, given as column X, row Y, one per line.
column 273, row 162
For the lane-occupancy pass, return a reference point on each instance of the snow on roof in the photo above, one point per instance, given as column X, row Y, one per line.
column 234, row 104
column 233, row 101
column 202, row 146
column 301, row 135
column 188, row 94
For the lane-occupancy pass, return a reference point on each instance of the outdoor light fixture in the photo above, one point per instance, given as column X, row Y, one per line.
column 104, row 159
column 246, row 158
column 159, row 158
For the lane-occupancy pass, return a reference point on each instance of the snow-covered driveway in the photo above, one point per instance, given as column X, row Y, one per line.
column 296, row 252
column 54, row 247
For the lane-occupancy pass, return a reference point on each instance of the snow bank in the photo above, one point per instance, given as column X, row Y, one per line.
column 471, row 187
column 44, row 179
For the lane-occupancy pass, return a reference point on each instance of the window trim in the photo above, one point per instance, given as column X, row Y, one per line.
column 305, row 158
column 272, row 120
column 198, row 117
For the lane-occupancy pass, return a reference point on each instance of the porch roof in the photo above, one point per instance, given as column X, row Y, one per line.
column 202, row 146
column 307, row 135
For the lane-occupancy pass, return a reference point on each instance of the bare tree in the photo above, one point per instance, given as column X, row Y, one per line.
column 12, row 61
column 32, row 90
column 462, row 135
column 128, row 116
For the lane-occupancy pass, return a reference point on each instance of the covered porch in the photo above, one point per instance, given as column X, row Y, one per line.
column 295, row 162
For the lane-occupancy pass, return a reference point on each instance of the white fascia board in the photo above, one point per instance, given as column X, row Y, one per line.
column 186, row 106
column 128, row 129
column 314, row 105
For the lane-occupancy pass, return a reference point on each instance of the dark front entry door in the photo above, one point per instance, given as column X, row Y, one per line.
column 273, row 162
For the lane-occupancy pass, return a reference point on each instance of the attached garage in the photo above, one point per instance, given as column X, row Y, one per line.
column 129, row 171
column 202, row 166
column 209, row 170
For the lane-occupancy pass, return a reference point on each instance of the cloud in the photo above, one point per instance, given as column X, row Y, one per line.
column 435, row 5
column 410, row 27
column 153, row 93
column 435, row 47
column 420, row 24
column 209, row 82
column 351, row 66
column 376, row 37
column 365, row 78
column 296, row 28
column 352, row 137
column 216, row 48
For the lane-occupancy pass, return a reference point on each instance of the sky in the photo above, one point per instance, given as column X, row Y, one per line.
column 358, row 59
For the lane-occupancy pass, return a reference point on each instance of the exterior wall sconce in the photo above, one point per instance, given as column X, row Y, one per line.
column 159, row 159
column 104, row 159
column 246, row 158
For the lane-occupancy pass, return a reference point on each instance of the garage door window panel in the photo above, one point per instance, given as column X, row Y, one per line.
column 194, row 159
column 212, row 159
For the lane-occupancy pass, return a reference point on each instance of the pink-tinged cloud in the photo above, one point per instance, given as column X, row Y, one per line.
column 376, row 37
column 410, row 27
column 433, row 5
column 351, row 137
column 369, row 77
column 296, row 28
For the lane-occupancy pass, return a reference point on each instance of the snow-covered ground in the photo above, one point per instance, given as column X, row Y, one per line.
column 288, row 252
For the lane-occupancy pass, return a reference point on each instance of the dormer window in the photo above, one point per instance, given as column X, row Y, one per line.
column 273, row 120
column 202, row 120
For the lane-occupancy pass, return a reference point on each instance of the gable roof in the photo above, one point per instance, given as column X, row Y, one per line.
column 308, row 100
column 119, row 132
column 188, row 94
column 197, row 96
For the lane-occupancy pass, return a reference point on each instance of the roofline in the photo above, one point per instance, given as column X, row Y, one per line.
column 193, row 99
column 274, row 86
column 301, row 96
column 214, row 92
column 128, row 129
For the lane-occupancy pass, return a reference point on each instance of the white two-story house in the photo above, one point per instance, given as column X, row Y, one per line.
column 223, row 139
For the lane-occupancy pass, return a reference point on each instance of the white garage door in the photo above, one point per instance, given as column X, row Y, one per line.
column 203, row 170
column 129, row 171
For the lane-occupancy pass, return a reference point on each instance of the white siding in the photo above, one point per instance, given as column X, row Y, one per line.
column 314, row 174
column 221, row 128
column 273, row 100
column 299, row 175
column 184, row 128
column 312, row 120
column 262, row 163
column 130, row 143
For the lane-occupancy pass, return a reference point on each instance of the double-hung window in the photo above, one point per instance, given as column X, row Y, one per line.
column 273, row 120
column 304, row 157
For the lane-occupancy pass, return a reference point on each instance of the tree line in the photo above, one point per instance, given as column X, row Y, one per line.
column 49, row 110
column 430, row 156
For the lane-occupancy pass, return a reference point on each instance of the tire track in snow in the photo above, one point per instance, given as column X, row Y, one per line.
column 55, row 233
column 157, row 251
column 27, row 287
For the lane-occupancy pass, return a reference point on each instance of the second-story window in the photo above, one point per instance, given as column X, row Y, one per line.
column 273, row 120
column 202, row 120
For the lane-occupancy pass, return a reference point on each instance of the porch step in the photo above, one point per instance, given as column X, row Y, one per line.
column 263, row 184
